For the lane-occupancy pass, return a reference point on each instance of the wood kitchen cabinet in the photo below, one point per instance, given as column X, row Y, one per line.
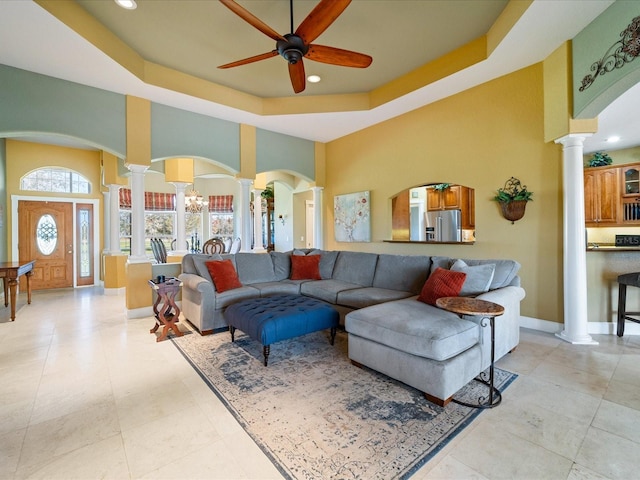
column 602, row 197
column 452, row 198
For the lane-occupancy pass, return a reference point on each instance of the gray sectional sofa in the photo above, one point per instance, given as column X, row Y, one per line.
column 421, row 345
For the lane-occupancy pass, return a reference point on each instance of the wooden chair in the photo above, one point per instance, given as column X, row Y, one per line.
column 159, row 250
column 235, row 246
column 213, row 245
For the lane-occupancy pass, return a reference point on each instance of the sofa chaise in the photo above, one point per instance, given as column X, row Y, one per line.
column 389, row 329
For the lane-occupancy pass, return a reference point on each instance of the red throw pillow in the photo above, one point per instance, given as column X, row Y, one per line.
column 305, row 267
column 442, row 283
column 224, row 275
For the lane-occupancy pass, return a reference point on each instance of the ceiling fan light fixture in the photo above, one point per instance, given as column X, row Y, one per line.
column 128, row 4
column 313, row 78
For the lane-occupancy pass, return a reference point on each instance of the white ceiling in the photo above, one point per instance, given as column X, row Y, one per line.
column 389, row 30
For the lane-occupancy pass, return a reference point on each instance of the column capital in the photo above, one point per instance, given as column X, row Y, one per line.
column 573, row 139
column 245, row 181
column 135, row 168
column 180, row 186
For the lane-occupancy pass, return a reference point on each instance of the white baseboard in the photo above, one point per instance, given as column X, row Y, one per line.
column 115, row 291
column 540, row 325
column 596, row 328
column 140, row 312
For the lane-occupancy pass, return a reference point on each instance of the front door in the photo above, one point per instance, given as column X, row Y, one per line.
column 45, row 234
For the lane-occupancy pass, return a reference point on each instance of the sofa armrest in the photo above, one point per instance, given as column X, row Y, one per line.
column 198, row 301
column 507, row 326
column 196, row 282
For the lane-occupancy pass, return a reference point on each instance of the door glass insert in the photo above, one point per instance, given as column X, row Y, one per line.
column 85, row 243
column 46, row 234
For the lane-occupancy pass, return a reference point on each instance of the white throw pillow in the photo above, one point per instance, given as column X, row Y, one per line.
column 478, row 279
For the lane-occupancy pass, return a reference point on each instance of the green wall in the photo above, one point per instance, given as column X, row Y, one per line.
column 275, row 151
column 179, row 133
column 30, row 102
column 599, row 42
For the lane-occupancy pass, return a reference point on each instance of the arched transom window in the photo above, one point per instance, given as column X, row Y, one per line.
column 59, row 180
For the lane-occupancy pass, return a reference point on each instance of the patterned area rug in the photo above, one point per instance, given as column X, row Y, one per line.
column 316, row 416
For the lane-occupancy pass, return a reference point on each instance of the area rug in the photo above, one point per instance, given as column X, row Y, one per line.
column 316, row 416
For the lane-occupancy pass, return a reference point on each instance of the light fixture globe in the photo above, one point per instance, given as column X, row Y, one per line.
column 194, row 202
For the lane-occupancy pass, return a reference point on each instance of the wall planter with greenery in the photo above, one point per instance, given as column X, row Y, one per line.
column 513, row 198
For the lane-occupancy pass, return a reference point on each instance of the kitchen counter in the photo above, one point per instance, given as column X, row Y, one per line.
column 610, row 247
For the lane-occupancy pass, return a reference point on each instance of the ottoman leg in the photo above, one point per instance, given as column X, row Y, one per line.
column 232, row 330
column 266, row 349
column 333, row 334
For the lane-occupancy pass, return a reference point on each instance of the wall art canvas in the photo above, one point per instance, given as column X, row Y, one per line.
column 352, row 220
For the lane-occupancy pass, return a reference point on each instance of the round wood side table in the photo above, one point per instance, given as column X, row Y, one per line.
column 486, row 310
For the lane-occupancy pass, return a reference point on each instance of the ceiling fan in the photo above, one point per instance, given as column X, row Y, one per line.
column 294, row 46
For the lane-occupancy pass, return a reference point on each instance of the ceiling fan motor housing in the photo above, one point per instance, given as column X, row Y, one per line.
column 293, row 49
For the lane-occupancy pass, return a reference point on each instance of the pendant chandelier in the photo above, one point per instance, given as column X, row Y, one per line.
column 194, row 202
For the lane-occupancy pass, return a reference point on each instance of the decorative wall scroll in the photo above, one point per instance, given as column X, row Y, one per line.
column 351, row 215
column 623, row 51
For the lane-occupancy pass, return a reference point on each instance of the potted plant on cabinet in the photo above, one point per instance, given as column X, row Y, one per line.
column 513, row 198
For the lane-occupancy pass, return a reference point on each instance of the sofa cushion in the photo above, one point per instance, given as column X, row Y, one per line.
column 254, row 267
column 442, row 283
column 402, row 272
column 225, row 299
column 199, row 262
column 281, row 265
column 415, row 328
column 327, row 262
column 267, row 289
column 505, row 272
column 305, row 267
column 355, row 267
column 326, row 290
column 224, row 275
column 367, row 296
column 478, row 279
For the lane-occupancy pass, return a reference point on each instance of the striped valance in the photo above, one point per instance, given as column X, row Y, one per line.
column 152, row 200
column 221, row 203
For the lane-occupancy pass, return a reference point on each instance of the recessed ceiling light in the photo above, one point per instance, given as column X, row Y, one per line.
column 128, row 4
column 613, row 139
column 314, row 78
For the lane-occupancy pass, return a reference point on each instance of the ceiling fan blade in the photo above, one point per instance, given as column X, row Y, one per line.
column 252, row 19
column 256, row 58
column 323, row 15
column 296, row 73
column 338, row 56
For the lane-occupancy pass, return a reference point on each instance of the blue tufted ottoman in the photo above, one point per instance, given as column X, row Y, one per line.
column 271, row 319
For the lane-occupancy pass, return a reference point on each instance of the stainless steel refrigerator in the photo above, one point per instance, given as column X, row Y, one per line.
column 443, row 226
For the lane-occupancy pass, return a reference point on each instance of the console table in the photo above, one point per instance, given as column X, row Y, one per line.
column 167, row 292
column 9, row 272
column 486, row 310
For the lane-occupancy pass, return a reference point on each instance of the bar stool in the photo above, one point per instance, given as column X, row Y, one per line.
column 628, row 279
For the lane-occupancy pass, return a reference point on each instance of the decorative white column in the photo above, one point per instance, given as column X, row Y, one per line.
column 574, row 242
column 258, row 246
column 245, row 214
column 137, row 214
column 114, row 219
column 181, row 229
column 318, row 234
column 106, row 224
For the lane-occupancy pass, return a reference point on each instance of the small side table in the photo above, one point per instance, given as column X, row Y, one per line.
column 486, row 310
column 167, row 292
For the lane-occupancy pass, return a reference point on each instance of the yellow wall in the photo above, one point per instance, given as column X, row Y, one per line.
column 23, row 157
column 478, row 138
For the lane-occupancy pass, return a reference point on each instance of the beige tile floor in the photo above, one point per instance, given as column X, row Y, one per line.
column 86, row 393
